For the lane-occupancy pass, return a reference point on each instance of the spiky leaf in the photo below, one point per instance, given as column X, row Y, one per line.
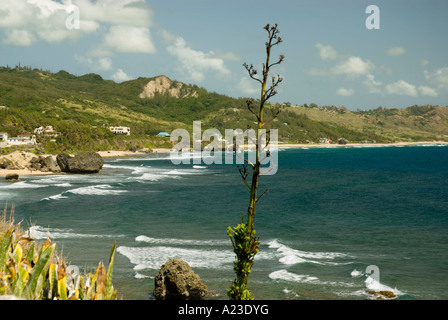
column 62, row 288
column 4, row 247
column 44, row 258
column 53, row 281
column 109, row 286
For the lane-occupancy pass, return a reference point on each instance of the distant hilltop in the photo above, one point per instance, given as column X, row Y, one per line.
column 84, row 108
column 162, row 84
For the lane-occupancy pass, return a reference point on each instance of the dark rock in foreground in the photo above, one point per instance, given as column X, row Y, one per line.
column 176, row 280
column 12, row 177
column 88, row 162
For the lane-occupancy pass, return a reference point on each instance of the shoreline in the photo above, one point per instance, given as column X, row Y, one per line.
column 103, row 154
column 119, row 154
column 393, row 144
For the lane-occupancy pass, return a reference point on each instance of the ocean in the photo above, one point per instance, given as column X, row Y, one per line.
column 336, row 224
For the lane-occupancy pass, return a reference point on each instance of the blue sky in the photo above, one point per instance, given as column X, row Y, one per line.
column 331, row 57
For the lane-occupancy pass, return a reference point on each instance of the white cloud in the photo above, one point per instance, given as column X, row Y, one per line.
column 427, row 91
column 396, row 51
column 350, row 66
column 372, row 85
column 196, row 63
column 248, row 86
column 167, row 37
column 424, row 62
column 21, row 38
column 402, row 88
column 353, row 67
column 47, row 19
column 345, row 92
column 120, row 76
column 116, row 12
column 326, row 52
column 129, row 39
column 97, row 64
column 438, row 77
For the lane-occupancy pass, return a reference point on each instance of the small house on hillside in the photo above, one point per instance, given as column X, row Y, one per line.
column 3, row 137
column 22, row 139
column 121, row 131
column 47, row 131
column 163, row 134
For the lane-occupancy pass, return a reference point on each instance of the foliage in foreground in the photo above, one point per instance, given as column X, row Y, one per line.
column 34, row 273
column 245, row 244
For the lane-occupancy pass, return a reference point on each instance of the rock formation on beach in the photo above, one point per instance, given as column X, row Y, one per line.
column 17, row 160
column 176, row 280
column 44, row 164
column 88, row 162
column 12, row 177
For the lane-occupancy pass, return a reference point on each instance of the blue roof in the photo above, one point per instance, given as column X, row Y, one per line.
column 163, row 134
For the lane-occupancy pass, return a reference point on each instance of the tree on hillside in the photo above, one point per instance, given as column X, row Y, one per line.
column 245, row 244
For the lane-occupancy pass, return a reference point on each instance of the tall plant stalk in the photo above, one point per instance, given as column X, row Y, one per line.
column 244, row 242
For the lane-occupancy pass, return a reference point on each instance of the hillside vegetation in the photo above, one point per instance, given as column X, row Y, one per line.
column 82, row 108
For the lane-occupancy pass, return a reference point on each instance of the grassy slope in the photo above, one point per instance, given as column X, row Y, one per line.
column 79, row 106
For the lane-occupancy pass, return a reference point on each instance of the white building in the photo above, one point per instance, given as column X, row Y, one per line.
column 22, row 139
column 47, row 131
column 3, row 137
column 121, row 131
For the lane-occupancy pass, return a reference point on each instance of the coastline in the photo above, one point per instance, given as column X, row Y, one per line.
column 394, row 144
column 118, row 154
column 25, row 157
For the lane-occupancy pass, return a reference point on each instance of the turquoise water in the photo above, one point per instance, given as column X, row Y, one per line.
column 329, row 216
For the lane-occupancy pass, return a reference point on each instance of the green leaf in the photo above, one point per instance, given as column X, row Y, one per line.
column 30, row 289
column 53, row 281
column 4, row 247
column 22, row 276
column 30, row 254
column 62, row 288
column 109, row 286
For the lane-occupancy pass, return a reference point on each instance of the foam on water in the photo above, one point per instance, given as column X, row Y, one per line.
column 181, row 241
column 289, row 256
column 22, row 185
column 103, row 189
column 151, row 258
column 55, row 197
column 41, row 233
column 289, row 276
column 97, row 190
column 374, row 285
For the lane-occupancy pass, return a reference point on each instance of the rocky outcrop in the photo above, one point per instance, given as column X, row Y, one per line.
column 163, row 84
column 44, row 164
column 6, row 164
column 12, row 177
column 17, row 160
column 176, row 280
column 88, row 162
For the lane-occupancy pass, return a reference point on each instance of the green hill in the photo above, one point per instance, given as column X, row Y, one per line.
column 82, row 108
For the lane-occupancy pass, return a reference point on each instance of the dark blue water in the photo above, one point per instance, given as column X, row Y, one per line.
column 330, row 215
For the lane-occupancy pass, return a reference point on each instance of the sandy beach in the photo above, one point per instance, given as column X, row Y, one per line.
column 25, row 172
column 115, row 153
column 23, row 158
column 396, row 144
